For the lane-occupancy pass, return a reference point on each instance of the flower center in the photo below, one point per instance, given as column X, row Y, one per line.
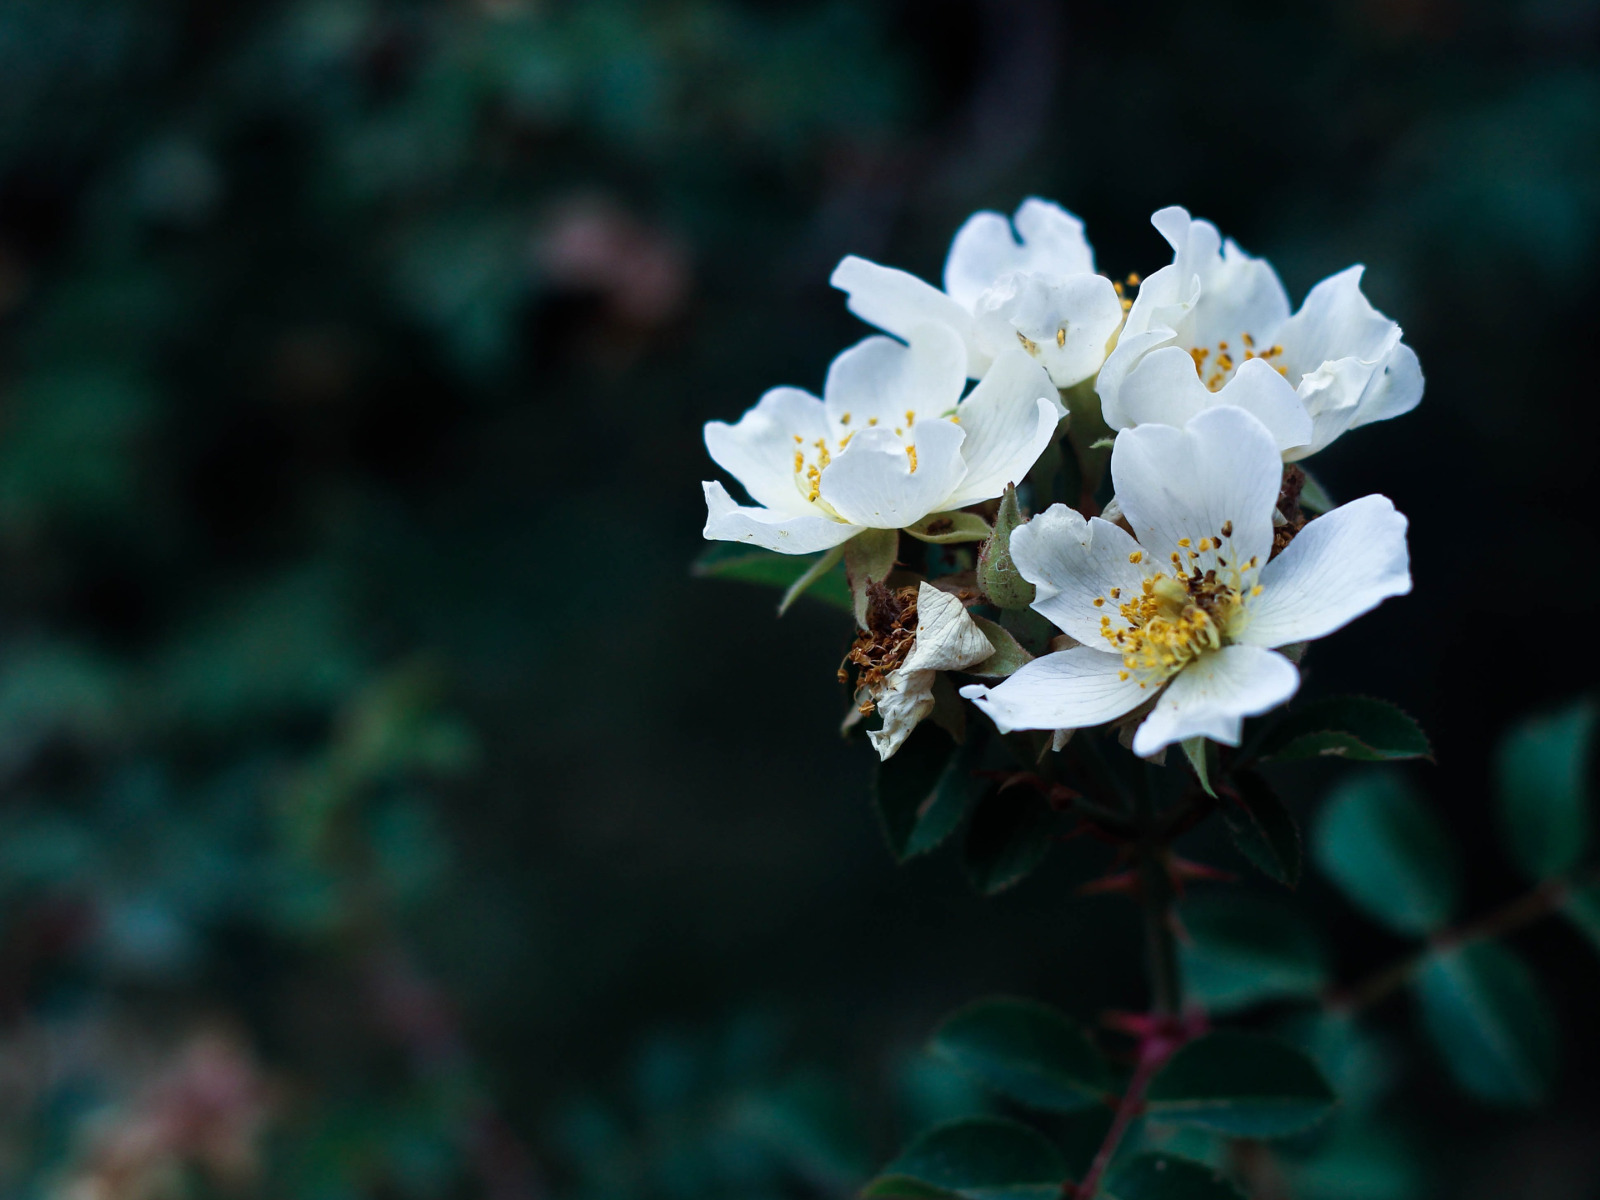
column 1178, row 616
column 1216, row 366
column 812, row 458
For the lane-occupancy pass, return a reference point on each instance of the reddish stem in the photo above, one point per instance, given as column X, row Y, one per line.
column 1159, row 1039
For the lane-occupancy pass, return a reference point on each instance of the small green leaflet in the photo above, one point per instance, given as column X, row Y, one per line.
column 1356, row 727
column 1027, row 1052
column 1241, row 1084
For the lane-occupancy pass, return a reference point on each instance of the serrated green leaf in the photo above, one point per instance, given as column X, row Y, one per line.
column 1008, row 836
column 1241, row 1084
column 1488, row 1018
column 1387, row 854
column 1168, row 1177
column 977, row 1158
column 1244, row 950
column 1263, row 829
column 945, row 528
column 1002, row 584
column 925, row 790
column 1008, row 656
column 765, row 568
column 1543, row 792
column 1027, row 1052
column 1355, row 727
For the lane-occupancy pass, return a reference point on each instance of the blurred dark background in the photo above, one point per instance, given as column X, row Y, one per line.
column 385, row 810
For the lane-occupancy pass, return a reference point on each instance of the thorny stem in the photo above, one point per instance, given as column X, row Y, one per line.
column 1525, row 910
column 1154, row 1050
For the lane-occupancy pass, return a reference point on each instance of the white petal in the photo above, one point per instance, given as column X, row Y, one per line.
column 948, row 639
column 1072, row 563
column 1395, row 389
column 904, row 700
column 786, row 533
column 1213, row 694
column 1068, row 321
column 882, row 379
column 1239, row 295
column 872, row 483
column 1071, row 689
column 759, row 450
column 1165, row 389
column 1336, row 321
column 1221, row 468
column 1009, row 419
column 1131, row 350
column 1048, row 240
column 1339, row 566
column 897, row 302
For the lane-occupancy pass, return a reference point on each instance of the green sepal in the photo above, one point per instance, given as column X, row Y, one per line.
column 1388, row 854
column 1202, row 755
column 1355, row 727
column 1027, row 1052
column 827, row 562
column 998, row 578
column 1008, row 656
column 1543, row 793
column 944, row 528
column 767, row 568
column 974, row 1158
column 1488, row 1018
column 1241, row 1084
column 1314, row 497
column 1168, row 1177
column 868, row 558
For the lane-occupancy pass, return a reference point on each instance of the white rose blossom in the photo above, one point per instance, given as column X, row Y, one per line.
column 1035, row 287
column 947, row 640
column 891, row 442
column 1213, row 328
column 1187, row 613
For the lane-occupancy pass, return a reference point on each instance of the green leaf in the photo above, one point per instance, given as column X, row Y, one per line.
column 1582, row 908
column 1314, row 497
column 1002, row 584
column 1168, row 1177
column 1241, row 1084
column 1027, row 1052
column 1009, row 835
column 925, row 790
column 825, row 563
column 1387, row 853
column 977, row 1158
column 730, row 560
column 945, row 528
column 868, row 558
column 1543, row 792
column 1245, row 950
column 1263, row 829
column 1008, row 656
column 1488, row 1018
column 1356, row 727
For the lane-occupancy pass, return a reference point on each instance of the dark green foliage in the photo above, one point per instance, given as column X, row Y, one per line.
column 998, row 577
column 1263, row 829
column 1543, row 790
column 729, row 560
column 1009, row 835
column 1489, row 1021
column 1246, row 949
column 924, row 791
column 1168, row 1177
column 1383, row 847
column 1242, row 1084
column 1027, row 1052
column 980, row 1158
column 1354, row 727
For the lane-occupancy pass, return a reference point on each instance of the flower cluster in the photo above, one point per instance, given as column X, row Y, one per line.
column 1184, row 592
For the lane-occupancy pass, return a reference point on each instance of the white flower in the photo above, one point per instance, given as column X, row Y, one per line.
column 1035, row 288
column 1191, row 610
column 947, row 640
column 1214, row 328
column 891, row 441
